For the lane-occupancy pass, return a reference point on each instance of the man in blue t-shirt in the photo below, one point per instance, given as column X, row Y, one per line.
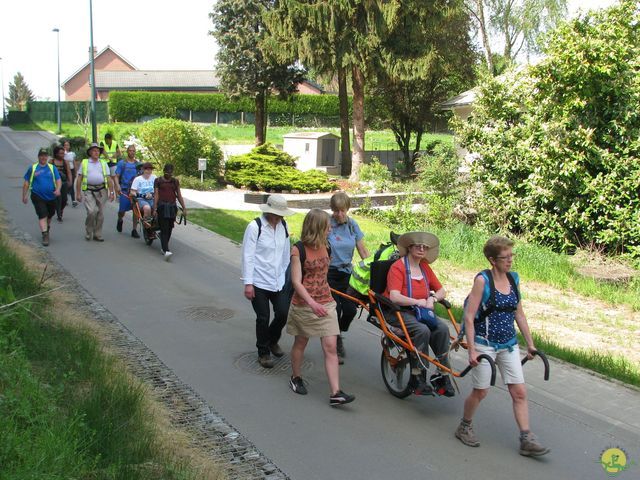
column 126, row 171
column 43, row 181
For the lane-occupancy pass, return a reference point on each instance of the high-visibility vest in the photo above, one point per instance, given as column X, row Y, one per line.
column 33, row 172
column 110, row 150
column 85, row 168
column 361, row 273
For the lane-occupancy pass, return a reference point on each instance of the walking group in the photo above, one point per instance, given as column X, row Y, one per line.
column 296, row 282
column 100, row 178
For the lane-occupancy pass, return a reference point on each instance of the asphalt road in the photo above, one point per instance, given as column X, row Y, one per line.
column 377, row 437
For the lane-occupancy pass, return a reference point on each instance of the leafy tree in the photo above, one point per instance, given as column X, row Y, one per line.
column 559, row 143
column 19, row 93
column 408, row 106
column 241, row 65
column 515, row 24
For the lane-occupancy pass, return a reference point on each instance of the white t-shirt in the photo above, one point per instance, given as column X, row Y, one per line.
column 70, row 157
column 142, row 185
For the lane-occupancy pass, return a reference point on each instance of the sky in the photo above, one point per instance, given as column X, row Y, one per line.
column 150, row 34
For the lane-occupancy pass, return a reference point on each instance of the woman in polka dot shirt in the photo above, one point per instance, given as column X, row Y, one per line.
column 495, row 335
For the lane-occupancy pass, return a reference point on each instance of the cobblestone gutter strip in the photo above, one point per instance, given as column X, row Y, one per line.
column 208, row 430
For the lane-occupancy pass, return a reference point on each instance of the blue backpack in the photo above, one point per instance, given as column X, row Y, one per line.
column 488, row 303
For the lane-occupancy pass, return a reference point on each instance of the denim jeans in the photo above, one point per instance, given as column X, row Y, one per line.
column 269, row 333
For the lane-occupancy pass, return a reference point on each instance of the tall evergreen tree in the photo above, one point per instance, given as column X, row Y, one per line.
column 408, row 104
column 238, row 27
column 369, row 34
column 316, row 33
column 19, row 93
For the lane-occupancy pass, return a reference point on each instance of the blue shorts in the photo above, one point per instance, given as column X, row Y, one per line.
column 125, row 202
column 142, row 202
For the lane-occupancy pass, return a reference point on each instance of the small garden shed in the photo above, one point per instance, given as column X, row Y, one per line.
column 314, row 150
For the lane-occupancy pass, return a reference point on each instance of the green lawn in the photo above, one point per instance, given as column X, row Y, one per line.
column 230, row 134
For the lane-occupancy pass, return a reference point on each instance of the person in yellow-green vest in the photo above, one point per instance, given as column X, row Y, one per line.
column 361, row 272
column 111, row 153
column 43, row 181
column 94, row 186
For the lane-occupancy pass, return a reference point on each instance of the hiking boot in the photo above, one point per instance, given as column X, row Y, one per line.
column 420, row 386
column 135, row 234
column 442, row 385
column 466, row 435
column 276, row 350
column 59, row 218
column 98, row 239
column 530, row 446
column 265, row 361
column 87, row 237
column 45, row 239
column 119, row 226
column 74, row 204
column 297, row 385
column 340, row 398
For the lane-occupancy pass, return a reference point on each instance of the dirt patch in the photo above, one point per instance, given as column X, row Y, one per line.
column 570, row 319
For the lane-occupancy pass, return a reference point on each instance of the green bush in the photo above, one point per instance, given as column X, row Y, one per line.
column 180, row 143
column 376, row 173
column 131, row 106
column 268, row 168
column 559, row 144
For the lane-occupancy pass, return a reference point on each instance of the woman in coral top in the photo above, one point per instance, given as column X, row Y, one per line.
column 313, row 310
column 412, row 285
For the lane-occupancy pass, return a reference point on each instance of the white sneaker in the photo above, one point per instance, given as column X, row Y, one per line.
column 167, row 256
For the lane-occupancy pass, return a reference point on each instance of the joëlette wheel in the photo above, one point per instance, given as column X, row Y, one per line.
column 396, row 371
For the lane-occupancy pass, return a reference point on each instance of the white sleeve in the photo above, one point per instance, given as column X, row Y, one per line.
column 135, row 185
column 249, row 252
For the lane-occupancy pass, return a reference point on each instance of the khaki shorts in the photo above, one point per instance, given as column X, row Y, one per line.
column 507, row 362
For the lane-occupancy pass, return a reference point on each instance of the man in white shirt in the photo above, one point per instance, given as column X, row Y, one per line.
column 265, row 258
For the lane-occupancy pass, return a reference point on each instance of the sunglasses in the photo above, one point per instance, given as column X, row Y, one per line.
column 419, row 246
column 507, row 257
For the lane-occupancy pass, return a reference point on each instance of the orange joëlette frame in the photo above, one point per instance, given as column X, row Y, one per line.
column 407, row 343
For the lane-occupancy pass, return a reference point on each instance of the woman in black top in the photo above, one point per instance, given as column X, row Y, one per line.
column 65, row 174
column 166, row 192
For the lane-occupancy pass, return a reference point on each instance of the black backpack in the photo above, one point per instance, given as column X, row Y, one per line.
column 303, row 253
column 258, row 220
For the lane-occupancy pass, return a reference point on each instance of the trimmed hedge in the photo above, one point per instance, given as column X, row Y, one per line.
column 131, row 106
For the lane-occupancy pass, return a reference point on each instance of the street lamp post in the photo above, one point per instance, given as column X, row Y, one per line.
column 4, row 118
column 57, row 30
column 94, row 126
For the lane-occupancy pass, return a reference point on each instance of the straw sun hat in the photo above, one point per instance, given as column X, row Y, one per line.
column 420, row 238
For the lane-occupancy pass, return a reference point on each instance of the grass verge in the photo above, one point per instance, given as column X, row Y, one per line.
column 462, row 246
column 67, row 409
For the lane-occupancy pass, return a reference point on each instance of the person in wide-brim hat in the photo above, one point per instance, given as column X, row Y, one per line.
column 94, row 145
column 420, row 238
column 277, row 205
